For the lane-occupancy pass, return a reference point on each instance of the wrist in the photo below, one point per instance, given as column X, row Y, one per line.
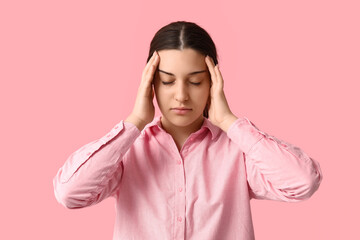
column 229, row 120
column 138, row 123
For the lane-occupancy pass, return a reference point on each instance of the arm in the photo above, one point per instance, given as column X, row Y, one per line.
column 276, row 170
column 93, row 172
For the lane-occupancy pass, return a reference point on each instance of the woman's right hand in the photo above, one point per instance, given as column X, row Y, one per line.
column 144, row 111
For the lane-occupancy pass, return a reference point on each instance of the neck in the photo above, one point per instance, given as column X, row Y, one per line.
column 181, row 131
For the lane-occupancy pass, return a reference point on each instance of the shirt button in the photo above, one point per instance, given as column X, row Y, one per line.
column 108, row 135
column 180, row 189
column 179, row 162
column 116, row 127
column 179, row 219
column 88, row 154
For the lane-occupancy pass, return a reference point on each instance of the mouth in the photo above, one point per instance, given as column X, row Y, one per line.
column 181, row 111
column 180, row 108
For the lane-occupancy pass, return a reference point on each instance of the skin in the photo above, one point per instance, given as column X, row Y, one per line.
column 181, row 92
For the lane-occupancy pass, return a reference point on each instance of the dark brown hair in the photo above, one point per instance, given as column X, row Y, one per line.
column 180, row 35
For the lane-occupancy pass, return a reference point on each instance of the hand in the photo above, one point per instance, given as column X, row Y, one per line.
column 219, row 111
column 144, row 110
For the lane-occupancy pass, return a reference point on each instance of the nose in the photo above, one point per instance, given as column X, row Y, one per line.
column 181, row 92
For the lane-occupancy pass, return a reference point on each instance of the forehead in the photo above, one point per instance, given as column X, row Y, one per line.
column 181, row 62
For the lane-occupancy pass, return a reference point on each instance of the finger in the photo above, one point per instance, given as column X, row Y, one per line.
column 153, row 67
column 148, row 65
column 210, row 65
column 145, row 85
column 149, row 76
column 219, row 75
column 216, row 70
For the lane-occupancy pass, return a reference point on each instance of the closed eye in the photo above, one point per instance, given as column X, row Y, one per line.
column 167, row 83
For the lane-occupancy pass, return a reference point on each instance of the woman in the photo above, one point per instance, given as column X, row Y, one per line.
column 190, row 173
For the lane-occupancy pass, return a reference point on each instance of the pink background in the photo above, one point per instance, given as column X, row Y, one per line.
column 70, row 70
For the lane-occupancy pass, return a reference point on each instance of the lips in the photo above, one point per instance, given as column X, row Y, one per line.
column 181, row 111
column 182, row 108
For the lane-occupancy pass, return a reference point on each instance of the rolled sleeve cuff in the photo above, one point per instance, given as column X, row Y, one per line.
column 245, row 134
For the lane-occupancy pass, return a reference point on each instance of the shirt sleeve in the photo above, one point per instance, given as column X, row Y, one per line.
column 276, row 170
column 93, row 172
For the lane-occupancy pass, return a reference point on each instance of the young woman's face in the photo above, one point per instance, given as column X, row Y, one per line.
column 177, row 85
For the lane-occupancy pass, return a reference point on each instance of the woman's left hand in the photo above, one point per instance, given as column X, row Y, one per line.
column 219, row 111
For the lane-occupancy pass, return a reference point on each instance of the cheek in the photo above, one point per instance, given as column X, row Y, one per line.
column 206, row 90
column 162, row 95
column 202, row 96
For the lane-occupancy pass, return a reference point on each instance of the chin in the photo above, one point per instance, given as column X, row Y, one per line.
column 181, row 120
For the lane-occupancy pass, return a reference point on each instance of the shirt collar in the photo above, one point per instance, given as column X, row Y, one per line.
column 206, row 124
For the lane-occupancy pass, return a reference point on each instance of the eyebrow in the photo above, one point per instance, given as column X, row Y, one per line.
column 192, row 73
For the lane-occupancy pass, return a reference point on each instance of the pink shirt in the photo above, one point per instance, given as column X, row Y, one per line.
column 201, row 192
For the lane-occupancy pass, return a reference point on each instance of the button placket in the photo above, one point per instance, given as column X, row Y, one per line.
column 179, row 199
column 179, row 181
